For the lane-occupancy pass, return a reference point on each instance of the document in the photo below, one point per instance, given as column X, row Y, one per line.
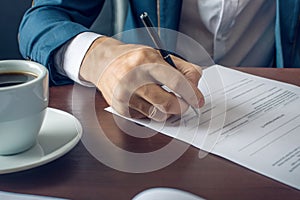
column 249, row 120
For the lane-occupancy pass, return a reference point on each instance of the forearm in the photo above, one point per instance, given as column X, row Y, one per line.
column 49, row 24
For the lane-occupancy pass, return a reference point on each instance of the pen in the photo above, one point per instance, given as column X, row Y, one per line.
column 155, row 38
column 159, row 45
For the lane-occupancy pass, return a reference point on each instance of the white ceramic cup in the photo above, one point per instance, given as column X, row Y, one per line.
column 22, row 106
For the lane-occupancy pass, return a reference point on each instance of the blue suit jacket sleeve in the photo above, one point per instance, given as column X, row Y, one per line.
column 51, row 23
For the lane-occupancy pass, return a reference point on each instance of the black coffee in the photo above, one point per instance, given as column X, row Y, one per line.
column 15, row 78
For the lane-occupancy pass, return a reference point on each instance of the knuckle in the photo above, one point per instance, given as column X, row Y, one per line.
column 142, row 55
column 121, row 95
column 195, row 77
column 145, row 90
column 195, row 72
column 167, row 106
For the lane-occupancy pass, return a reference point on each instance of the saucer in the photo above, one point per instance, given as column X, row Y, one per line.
column 59, row 133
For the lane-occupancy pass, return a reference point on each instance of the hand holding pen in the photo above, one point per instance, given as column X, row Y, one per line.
column 159, row 46
column 130, row 78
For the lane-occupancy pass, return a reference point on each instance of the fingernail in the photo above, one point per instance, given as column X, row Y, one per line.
column 201, row 102
column 157, row 115
column 152, row 112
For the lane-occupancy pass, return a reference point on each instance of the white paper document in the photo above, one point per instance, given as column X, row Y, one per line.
column 249, row 120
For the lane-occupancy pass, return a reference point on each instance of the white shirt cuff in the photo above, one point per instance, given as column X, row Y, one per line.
column 72, row 54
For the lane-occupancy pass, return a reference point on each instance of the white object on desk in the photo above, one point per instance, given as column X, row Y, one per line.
column 60, row 132
column 165, row 194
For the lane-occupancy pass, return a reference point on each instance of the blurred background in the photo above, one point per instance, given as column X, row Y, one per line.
column 10, row 17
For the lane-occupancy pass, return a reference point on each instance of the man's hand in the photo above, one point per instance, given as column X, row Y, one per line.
column 130, row 79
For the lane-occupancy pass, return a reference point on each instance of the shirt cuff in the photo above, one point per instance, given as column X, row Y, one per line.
column 73, row 54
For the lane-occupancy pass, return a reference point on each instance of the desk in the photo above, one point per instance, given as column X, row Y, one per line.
column 78, row 175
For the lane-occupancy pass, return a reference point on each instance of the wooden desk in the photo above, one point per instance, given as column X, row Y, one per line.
column 78, row 175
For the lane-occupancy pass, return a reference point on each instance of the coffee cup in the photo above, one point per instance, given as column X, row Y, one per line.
column 23, row 103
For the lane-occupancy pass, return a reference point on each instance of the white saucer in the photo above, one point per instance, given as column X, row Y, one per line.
column 59, row 133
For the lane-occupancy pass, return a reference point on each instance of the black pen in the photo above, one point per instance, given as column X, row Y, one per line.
column 156, row 39
column 158, row 44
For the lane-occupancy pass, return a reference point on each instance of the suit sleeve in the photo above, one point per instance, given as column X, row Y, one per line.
column 49, row 24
